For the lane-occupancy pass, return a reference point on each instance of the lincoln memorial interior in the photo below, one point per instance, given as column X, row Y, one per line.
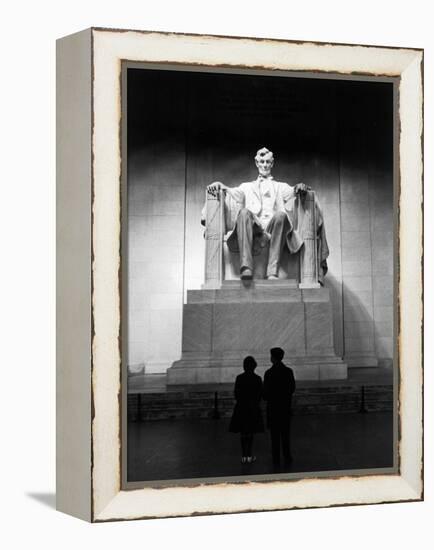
column 186, row 129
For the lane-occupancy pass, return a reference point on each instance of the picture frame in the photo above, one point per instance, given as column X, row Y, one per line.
column 91, row 406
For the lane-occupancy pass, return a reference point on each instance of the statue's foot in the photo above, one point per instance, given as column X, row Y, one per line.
column 272, row 277
column 246, row 273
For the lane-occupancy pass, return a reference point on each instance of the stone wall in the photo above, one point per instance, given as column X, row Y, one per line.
column 155, row 251
column 366, row 208
column 186, row 130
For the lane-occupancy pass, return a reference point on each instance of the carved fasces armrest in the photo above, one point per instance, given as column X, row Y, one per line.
column 306, row 224
column 214, row 217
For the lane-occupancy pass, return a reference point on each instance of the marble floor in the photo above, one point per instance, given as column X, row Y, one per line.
column 203, row 448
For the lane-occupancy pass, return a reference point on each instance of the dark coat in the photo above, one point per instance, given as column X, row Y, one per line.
column 279, row 385
column 247, row 415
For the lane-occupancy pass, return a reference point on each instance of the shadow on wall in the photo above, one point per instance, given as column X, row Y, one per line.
column 335, row 287
column 363, row 333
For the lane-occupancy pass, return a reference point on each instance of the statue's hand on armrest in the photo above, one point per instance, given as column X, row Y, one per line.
column 301, row 189
column 215, row 187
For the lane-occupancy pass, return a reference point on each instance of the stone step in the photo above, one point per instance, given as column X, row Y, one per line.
column 306, row 401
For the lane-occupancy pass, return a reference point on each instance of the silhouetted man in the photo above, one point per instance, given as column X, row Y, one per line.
column 279, row 385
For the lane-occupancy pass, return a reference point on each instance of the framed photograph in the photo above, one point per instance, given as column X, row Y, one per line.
column 239, row 274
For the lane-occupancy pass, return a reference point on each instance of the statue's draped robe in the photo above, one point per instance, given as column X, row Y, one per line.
column 248, row 195
column 321, row 239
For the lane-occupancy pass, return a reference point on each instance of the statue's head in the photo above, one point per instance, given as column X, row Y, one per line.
column 264, row 161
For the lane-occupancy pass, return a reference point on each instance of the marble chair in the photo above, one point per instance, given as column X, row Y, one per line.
column 221, row 265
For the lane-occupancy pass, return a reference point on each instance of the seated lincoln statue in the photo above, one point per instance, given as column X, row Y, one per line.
column 225, row 318
column 269, row 212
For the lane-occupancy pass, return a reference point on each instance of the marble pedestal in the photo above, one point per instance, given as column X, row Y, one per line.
column 222, row 326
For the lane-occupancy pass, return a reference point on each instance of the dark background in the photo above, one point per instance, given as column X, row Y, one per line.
column 304, row 121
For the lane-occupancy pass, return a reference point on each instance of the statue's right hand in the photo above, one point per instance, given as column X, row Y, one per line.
column 214, row 188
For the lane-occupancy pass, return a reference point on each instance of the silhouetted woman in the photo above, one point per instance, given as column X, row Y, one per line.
column 247, row 416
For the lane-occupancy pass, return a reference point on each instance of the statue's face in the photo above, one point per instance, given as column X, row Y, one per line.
column 264, row 164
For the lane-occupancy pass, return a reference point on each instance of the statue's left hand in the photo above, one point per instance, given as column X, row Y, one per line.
column 215, row 187
column 301, row 189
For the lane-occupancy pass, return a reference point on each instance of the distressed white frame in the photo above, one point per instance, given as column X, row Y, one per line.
column 109, row 48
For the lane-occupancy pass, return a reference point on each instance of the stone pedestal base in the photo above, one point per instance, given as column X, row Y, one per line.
column 365, row 359
column 222, row 326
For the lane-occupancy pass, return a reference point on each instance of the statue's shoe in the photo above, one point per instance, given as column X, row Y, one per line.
column 246, row 273
column 272, row 277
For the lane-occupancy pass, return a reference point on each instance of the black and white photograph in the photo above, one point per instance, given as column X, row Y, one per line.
column 217, row 285
column 259, row 233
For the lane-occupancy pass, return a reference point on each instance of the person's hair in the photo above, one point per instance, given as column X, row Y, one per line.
column 249, row 364
column 277, row 353
column 263, row 153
